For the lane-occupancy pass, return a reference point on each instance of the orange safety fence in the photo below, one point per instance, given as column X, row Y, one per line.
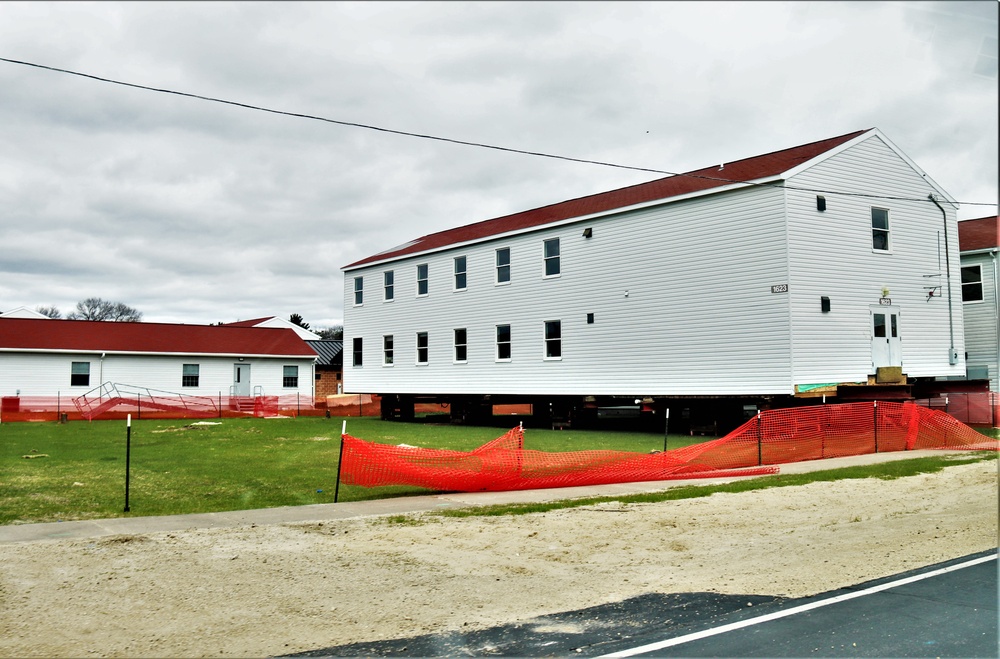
column 149, row 404
column 773, row 437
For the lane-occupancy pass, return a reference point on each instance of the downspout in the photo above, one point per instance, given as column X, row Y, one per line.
column 952, row 353
column 996, row 306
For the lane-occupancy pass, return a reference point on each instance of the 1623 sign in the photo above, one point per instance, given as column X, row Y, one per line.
column 779, row 288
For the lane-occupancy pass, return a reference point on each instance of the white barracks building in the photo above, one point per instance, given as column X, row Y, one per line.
column 828, row 269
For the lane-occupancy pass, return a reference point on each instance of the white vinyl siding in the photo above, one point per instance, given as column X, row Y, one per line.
column 683, row 293
column 831, row 255
column 699, row 317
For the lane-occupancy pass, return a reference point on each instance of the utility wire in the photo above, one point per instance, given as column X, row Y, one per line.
column 461, row 142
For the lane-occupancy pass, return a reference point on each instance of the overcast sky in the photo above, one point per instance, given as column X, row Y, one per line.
column 198, row 212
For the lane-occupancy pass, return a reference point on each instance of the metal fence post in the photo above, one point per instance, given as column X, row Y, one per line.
column 340, row 461
column 875, row 422
column 760, row 454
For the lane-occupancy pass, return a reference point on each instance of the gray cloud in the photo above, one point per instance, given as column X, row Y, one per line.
column 194, row 211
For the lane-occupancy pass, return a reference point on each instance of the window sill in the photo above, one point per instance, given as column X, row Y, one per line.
column 552, row 276
column 503, row 361
column 501, row 283
column 552, row 359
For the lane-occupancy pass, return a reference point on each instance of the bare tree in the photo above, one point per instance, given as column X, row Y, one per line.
column 328, row 333
column 51, row 312
column 94, row 308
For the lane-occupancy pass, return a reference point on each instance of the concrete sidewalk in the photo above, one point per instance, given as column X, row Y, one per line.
column 395, row 506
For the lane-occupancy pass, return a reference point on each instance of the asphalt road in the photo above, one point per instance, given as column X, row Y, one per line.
column 944, row 610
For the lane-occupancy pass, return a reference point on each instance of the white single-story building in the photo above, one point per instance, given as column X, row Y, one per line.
column 46, row 357
column 796, row 273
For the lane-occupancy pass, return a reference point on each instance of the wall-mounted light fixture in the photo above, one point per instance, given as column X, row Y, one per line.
column 824, row 304
column 588, row 232
column 241, row 359
column 820, row 203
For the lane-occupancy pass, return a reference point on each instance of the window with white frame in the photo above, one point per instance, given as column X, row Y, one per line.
column 290, row 376
column 358, row 352
column 550, row 250
column 190, row 375
column 359, row 291
column 880, row 229
column 79, row 374
column 422, row 286
column 503, row 343
column 553, row 339
column 387, row 351
column 972, row 283
column 461, row 345
column 503, row 265
column 388, row 278
column 460, row 273
column 423, row 351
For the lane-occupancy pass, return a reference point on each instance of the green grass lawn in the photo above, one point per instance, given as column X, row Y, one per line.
column 181, row 466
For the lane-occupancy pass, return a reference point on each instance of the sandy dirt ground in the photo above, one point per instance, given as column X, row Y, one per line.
column 273, row 590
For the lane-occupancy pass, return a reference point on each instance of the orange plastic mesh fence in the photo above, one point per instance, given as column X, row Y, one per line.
column 503, row 464
column 771, row 438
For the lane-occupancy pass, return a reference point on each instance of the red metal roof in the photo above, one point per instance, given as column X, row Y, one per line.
column 981, row 233
column 748, row 169
column 98, row 336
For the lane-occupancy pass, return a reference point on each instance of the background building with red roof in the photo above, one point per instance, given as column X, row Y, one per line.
column 47, row 357
column 979, row 240
column 786, row 276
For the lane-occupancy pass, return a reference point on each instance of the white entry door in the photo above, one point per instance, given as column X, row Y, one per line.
column 241, row 380
column 886, row 347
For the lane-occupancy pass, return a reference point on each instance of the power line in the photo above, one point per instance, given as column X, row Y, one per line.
column 460, row 142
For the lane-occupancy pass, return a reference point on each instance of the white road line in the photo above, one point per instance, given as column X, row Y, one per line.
column 687, row 638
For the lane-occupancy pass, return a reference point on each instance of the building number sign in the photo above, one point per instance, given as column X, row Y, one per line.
column 779, row 288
